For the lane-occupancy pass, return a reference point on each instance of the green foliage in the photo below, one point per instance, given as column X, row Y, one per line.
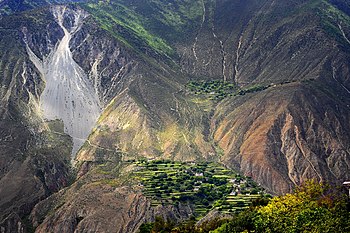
column 243, row 222
column 330, row 18
column 169, row 19
column 150, row 27
column 127, row 26
column 188, row 226
column 312, row 207
column 252, row 89
column 217, row 90
column 206, row 185
column 146, row 228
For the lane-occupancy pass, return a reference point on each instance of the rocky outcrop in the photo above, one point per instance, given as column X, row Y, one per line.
column 130, row 106
column 68, row 95
column 107, row 61
column 282, row 137
column 34, row 162
column 97, row 204
column 32, row 168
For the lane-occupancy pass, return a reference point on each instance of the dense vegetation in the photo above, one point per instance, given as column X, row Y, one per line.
column 147, row 26
column 217, row 89
column 207, row 185
column 127, row 26
column 313, row 207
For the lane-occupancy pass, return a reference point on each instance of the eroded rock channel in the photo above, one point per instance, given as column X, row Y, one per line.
column 68, row 94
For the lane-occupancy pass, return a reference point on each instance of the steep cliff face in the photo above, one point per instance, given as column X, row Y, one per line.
column 102, row 205
column 131, row 125
column 111, row 76
column 34, row 162
column 285, row 138
column 68, row 95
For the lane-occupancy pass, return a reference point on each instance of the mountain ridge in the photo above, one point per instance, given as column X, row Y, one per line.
column 294, row 128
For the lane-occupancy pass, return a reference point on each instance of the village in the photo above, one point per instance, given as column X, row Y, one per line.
column 207, row 185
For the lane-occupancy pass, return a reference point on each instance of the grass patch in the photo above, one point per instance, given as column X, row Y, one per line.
column 218, row 90
column 127, row 26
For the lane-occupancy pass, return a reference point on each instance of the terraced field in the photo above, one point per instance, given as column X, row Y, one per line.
column 207, row 185
column 218, row 90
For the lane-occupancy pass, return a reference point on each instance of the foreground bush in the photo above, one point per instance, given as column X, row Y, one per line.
column 312, row 207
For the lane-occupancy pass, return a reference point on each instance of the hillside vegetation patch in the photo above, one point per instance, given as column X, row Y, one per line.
column 207, row 185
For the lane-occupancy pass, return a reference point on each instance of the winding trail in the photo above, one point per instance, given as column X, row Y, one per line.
column 194, row 47
column 89, row 142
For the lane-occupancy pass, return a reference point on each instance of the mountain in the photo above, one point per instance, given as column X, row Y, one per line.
column 13, row 6
column 87, row 87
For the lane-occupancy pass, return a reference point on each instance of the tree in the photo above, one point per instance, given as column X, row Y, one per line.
column 146, row 228
column 243, row 222
column 312, row 207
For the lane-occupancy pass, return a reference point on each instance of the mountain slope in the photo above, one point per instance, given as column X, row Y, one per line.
column 13, row 6
column 287, row 119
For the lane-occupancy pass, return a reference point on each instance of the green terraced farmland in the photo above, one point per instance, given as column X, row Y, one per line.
column 206, row 185
column 218, row 90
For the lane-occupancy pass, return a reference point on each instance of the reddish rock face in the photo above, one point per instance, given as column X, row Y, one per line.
column 285, row 139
